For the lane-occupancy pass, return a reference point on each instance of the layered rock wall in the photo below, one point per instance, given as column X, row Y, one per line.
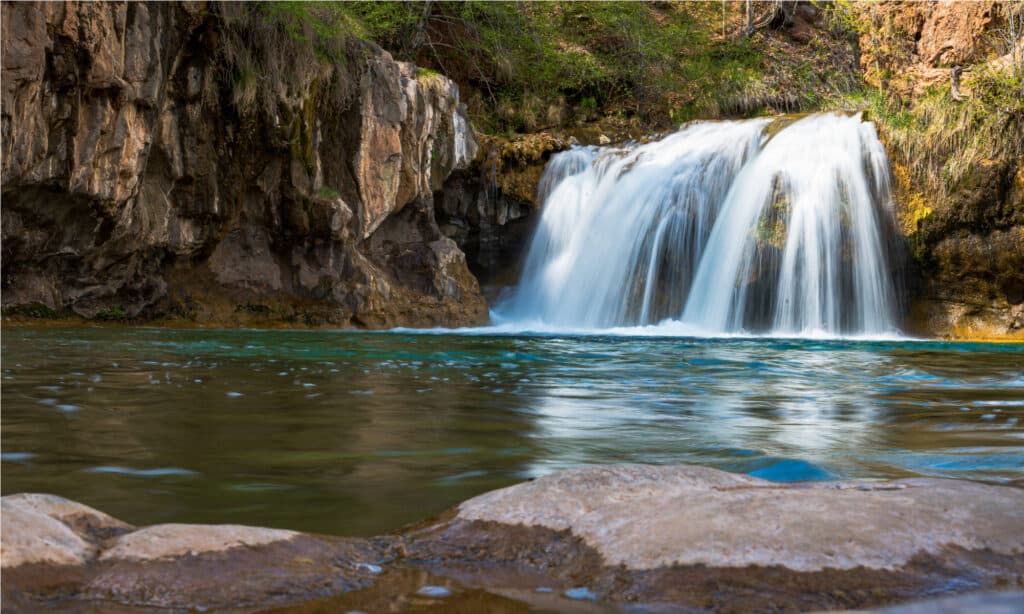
column 206, row 162
column 960, row 178
column 490, row 209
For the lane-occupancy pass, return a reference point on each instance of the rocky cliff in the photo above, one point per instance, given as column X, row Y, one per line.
column 958, row 156
column 489, row 208
column 224, row 163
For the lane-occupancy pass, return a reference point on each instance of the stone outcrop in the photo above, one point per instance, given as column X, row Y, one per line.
column 655, row 538
column 962, row 194
column 490, row 208
column 911, row 46
column 202, row 161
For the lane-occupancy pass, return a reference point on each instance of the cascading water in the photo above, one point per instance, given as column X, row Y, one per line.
column 462, row 135
column 725, row 227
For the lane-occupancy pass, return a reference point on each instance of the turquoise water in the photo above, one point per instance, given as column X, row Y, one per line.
column 360, row 433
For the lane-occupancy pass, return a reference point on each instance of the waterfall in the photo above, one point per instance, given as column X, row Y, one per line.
column 758, row 226
column 461, row 138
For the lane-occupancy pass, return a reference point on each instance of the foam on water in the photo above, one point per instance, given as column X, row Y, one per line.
column 723, row 228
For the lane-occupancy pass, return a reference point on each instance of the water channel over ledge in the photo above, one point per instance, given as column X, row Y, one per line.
column 359, row 433
column 771, row 226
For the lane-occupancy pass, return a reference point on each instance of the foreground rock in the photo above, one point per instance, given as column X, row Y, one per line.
column 658, row 538
column 217, row 163
column 55, row 549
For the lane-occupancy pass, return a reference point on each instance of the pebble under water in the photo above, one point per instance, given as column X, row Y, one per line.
column 360, row 433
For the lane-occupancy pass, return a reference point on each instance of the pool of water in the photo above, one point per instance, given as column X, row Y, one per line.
column 360, row 433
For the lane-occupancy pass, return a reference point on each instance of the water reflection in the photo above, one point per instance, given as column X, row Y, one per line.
column 355, row 433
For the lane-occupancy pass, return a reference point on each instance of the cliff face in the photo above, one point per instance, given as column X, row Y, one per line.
column 196, row 161
column 958, row 158
column 490, row 209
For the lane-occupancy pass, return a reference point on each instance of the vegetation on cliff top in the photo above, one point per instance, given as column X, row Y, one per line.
column 956, row 148
column 527, row 66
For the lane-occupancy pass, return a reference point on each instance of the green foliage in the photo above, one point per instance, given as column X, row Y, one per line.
column 530, row 59
column 1000, row 90
column 111, row 314
column 328, row 193
column 36, row 311
column 320, row 24
column 941, row 146
column 588, row 104
column 842, row 16
column 272, row 55
column 526, row 66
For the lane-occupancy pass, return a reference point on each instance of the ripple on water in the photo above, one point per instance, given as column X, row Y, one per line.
column 17, row 457
column 452, row 416
column 433, row 591
column 143, row 473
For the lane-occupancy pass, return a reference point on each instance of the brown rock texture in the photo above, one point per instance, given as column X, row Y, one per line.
column 489, row 209
column 648, row 517
column 53, row 547
column 959, row 173
column 585, row 540
column 912, row 45
column 196, row 161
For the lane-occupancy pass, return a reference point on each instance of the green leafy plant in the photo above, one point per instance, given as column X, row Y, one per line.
column 111, row 314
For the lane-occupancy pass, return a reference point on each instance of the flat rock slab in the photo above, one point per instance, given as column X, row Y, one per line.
column 647, row 517
column 171, row 541
column 643, row 538
column 700, row 539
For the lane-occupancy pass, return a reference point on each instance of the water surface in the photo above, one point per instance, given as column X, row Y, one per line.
column 360, row 433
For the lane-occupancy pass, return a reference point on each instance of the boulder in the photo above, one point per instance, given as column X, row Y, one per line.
column 674, row 538
column 700, row 538
column 53, row 548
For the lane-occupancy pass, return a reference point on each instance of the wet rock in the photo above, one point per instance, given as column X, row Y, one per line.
column 169, row 541
column 963, row 231
column 974, row 287
column 488, row 209
column 989, row 603
column 220, row 566
column 645, row 517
